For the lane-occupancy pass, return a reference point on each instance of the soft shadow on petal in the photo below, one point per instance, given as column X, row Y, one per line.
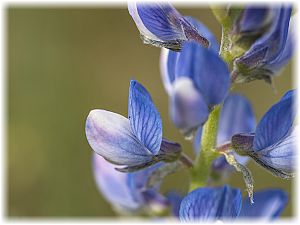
column 268, row 205
column 109, row 134
column 144, row 118
column 211, row 203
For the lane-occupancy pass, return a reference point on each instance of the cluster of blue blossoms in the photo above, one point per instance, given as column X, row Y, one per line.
column 131, row 156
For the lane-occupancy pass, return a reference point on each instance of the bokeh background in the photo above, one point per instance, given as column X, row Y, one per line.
column 61, row 63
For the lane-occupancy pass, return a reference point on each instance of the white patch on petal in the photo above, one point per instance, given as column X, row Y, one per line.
column 164, row 53
column 132, row 8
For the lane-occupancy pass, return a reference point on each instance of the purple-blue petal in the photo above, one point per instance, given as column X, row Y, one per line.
column 276, row 123
column 253, row 19
column 162, row 20
column 137, row 182
column 211, row 203
column 208, row 71
column 110, row 135
column 269, row 47
column 144, row 118
column 113, row 184
column 287, row 53
column 268, row 205
column 236, row 117
column 282, row 155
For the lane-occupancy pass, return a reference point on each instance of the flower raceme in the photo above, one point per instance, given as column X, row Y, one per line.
column 127, row 192
column 225, row 203
column 196, row 79
column 135, row 142
column 236, row 117
column 161, row 25
column 273, row 144
column 270, row 51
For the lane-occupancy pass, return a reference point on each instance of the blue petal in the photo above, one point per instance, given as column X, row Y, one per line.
column 188, row 108
column 253, row 19
column 287, row 53
column 276, row 123
column 268, row 205
column 282, row 155
column 269, row 47
column 144, row 118
column 162, row 20
column 168, row 60
column 208, row 71
column 175, row 200
column 138, row 180
column 109, row 134
column 113, row 184
column 211, row 203
column 236, row 117
column 205, row 32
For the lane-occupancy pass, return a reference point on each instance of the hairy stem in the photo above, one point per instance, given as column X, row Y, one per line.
column 201, row 170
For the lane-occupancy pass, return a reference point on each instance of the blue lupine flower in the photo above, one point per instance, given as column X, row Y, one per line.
column 161, row 25
column 196, row 79
column 225, row 203
column 268, row 53
column 273, row 143
column 135, row 142
column 127, row 192
column 236, row 117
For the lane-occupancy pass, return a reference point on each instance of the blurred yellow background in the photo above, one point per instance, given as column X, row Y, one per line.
column 64, row 62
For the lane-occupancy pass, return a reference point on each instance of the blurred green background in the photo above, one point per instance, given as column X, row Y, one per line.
column 65, row 61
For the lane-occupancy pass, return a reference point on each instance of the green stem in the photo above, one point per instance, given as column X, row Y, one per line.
column 201, row 170
column 225, row 46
